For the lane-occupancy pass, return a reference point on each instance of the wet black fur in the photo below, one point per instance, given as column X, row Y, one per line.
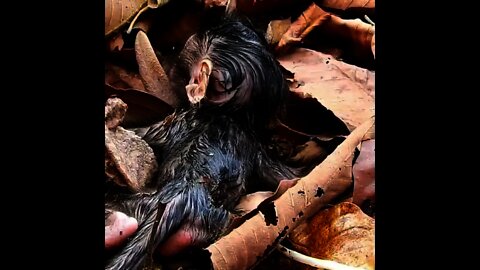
column 206, row 162
column 240, row 53
column 208, row 155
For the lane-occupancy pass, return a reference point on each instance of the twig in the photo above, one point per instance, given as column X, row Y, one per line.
column 369, row 20
column 326, row 264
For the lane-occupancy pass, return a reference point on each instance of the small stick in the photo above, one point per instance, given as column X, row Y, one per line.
column 369, row 20
column 326, row 264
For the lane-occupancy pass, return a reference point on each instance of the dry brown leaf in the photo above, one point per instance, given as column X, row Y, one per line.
column 364, row 177
column 119, row 12
column 151, row 71
column 314, row 151
column 342, row 233
column 215, row 3
column 276, row 29
column 242, row 248
column 373, row 43
column 355, row 33
column 116, row 43
column 143, row 108
column 272, row 8
column 120, row 78
column 302, row 26
column 346, row 4
column 306, row 115
column 129, row 161
column 345, row 89
column 251, row 201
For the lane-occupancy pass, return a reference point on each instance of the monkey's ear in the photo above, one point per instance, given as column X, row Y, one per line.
column 197, row 88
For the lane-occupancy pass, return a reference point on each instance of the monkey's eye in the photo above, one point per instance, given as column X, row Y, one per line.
column 221, row 81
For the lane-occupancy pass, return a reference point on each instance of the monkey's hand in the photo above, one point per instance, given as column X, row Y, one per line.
column 118, row 227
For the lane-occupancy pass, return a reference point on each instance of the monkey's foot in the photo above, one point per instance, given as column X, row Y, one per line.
column 176, row 243
column 118, row 227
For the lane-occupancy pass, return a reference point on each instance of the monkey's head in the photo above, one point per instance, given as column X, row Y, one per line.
column 229, row 67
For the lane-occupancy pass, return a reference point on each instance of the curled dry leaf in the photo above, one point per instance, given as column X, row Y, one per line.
column 360, row 5
column 373, row 43
column 129, row 161
column 342, row 233
column 251, row 201
column 346, row 90
column 116, row 43
column 120, row 78
column 303, row 122
column 215, row 3
column 306, row 115
column 250, row 204
column 143, row 108
column 256, row 7
column 276, row 29
column 119, row 12
column 356, row 33
column 311, row 18
column 314, row 151
column 242, row 247
column 151, row 71
column 364, row 177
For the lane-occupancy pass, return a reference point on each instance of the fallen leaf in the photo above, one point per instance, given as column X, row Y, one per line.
column 116, row 43
column 314, row 151
column 250, row 204
column 129, row 161
column 342, row 233
column 373, row 43
column 307, row 115
column 251, row 201
column 119, row 12
column 276, row 29
column 215, row 3
column 262, row 8
column 245, row 245
column 355, row 35
column 143, row 108
column 346, row 90
column 156, row 3
column 120, row 78
column 362, row 6
column 311, row 18
column 364, row 177
column 151, row 71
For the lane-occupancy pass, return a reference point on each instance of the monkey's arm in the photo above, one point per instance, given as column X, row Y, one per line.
column 188, row 219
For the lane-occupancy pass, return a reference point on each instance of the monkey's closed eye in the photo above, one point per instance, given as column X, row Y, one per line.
column 221, row 81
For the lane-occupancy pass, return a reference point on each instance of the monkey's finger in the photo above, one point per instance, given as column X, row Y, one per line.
column 118, row 227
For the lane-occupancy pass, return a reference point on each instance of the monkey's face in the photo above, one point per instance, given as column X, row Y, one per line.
column 213, row 84
column 229, row 65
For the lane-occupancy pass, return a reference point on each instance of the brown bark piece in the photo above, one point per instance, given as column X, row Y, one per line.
column 129, row 161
